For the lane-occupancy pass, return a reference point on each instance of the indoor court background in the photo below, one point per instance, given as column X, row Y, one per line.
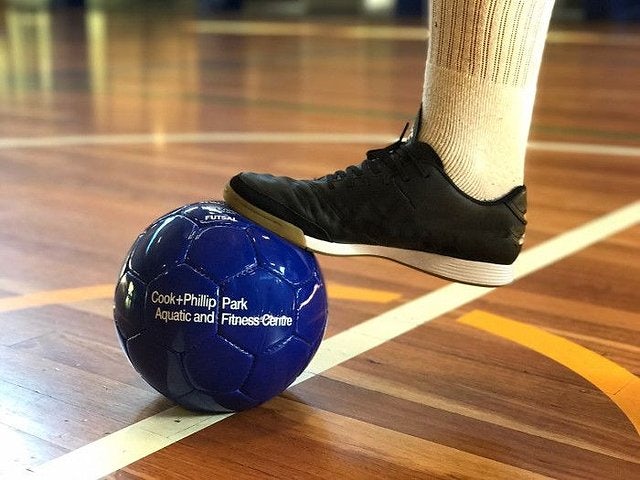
column 113, row 113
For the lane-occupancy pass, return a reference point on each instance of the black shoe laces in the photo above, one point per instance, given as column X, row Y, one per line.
column 394, row 160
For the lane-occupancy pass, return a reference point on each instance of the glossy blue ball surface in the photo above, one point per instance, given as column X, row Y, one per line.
column 217, row 313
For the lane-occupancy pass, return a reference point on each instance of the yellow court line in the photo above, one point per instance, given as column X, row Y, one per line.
column 309, row 29
column 336, row 291
column 617, row 383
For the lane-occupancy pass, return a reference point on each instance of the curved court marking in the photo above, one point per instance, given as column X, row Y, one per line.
column 119, row 449
column 162, row 139
column 71, row 295
column 617, row 383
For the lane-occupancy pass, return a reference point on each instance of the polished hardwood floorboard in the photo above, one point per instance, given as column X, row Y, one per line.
column 442, row 401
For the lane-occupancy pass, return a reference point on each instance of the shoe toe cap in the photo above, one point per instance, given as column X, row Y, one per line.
column 283, row 197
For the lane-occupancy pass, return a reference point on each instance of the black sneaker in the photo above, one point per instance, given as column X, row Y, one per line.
column 397, row 204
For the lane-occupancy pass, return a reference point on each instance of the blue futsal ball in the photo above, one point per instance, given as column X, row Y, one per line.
column 217, row 313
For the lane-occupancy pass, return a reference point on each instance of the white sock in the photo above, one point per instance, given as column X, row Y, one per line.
column 479, row 89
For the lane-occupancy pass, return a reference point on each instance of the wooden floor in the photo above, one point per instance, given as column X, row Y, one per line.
column 108, row 120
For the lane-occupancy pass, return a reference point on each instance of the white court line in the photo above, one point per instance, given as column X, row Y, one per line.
column 274, row 137
column 586, row 148
column 143, row 438
column 418, row 33
column 193, row 137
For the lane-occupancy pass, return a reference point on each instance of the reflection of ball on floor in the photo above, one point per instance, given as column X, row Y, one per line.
column 217, row 313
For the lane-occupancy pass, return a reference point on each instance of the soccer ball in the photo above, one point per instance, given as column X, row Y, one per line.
column 217, row 313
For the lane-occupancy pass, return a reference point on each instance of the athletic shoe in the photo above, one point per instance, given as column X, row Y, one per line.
column 397, row 204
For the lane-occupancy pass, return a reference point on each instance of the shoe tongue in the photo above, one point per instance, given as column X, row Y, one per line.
column 417, row 125
column 425, row 151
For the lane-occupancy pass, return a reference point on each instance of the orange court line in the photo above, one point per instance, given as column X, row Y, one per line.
column 617, row 383
column 71, row 295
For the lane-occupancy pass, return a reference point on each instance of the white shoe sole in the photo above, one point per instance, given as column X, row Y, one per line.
column 451, row 268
